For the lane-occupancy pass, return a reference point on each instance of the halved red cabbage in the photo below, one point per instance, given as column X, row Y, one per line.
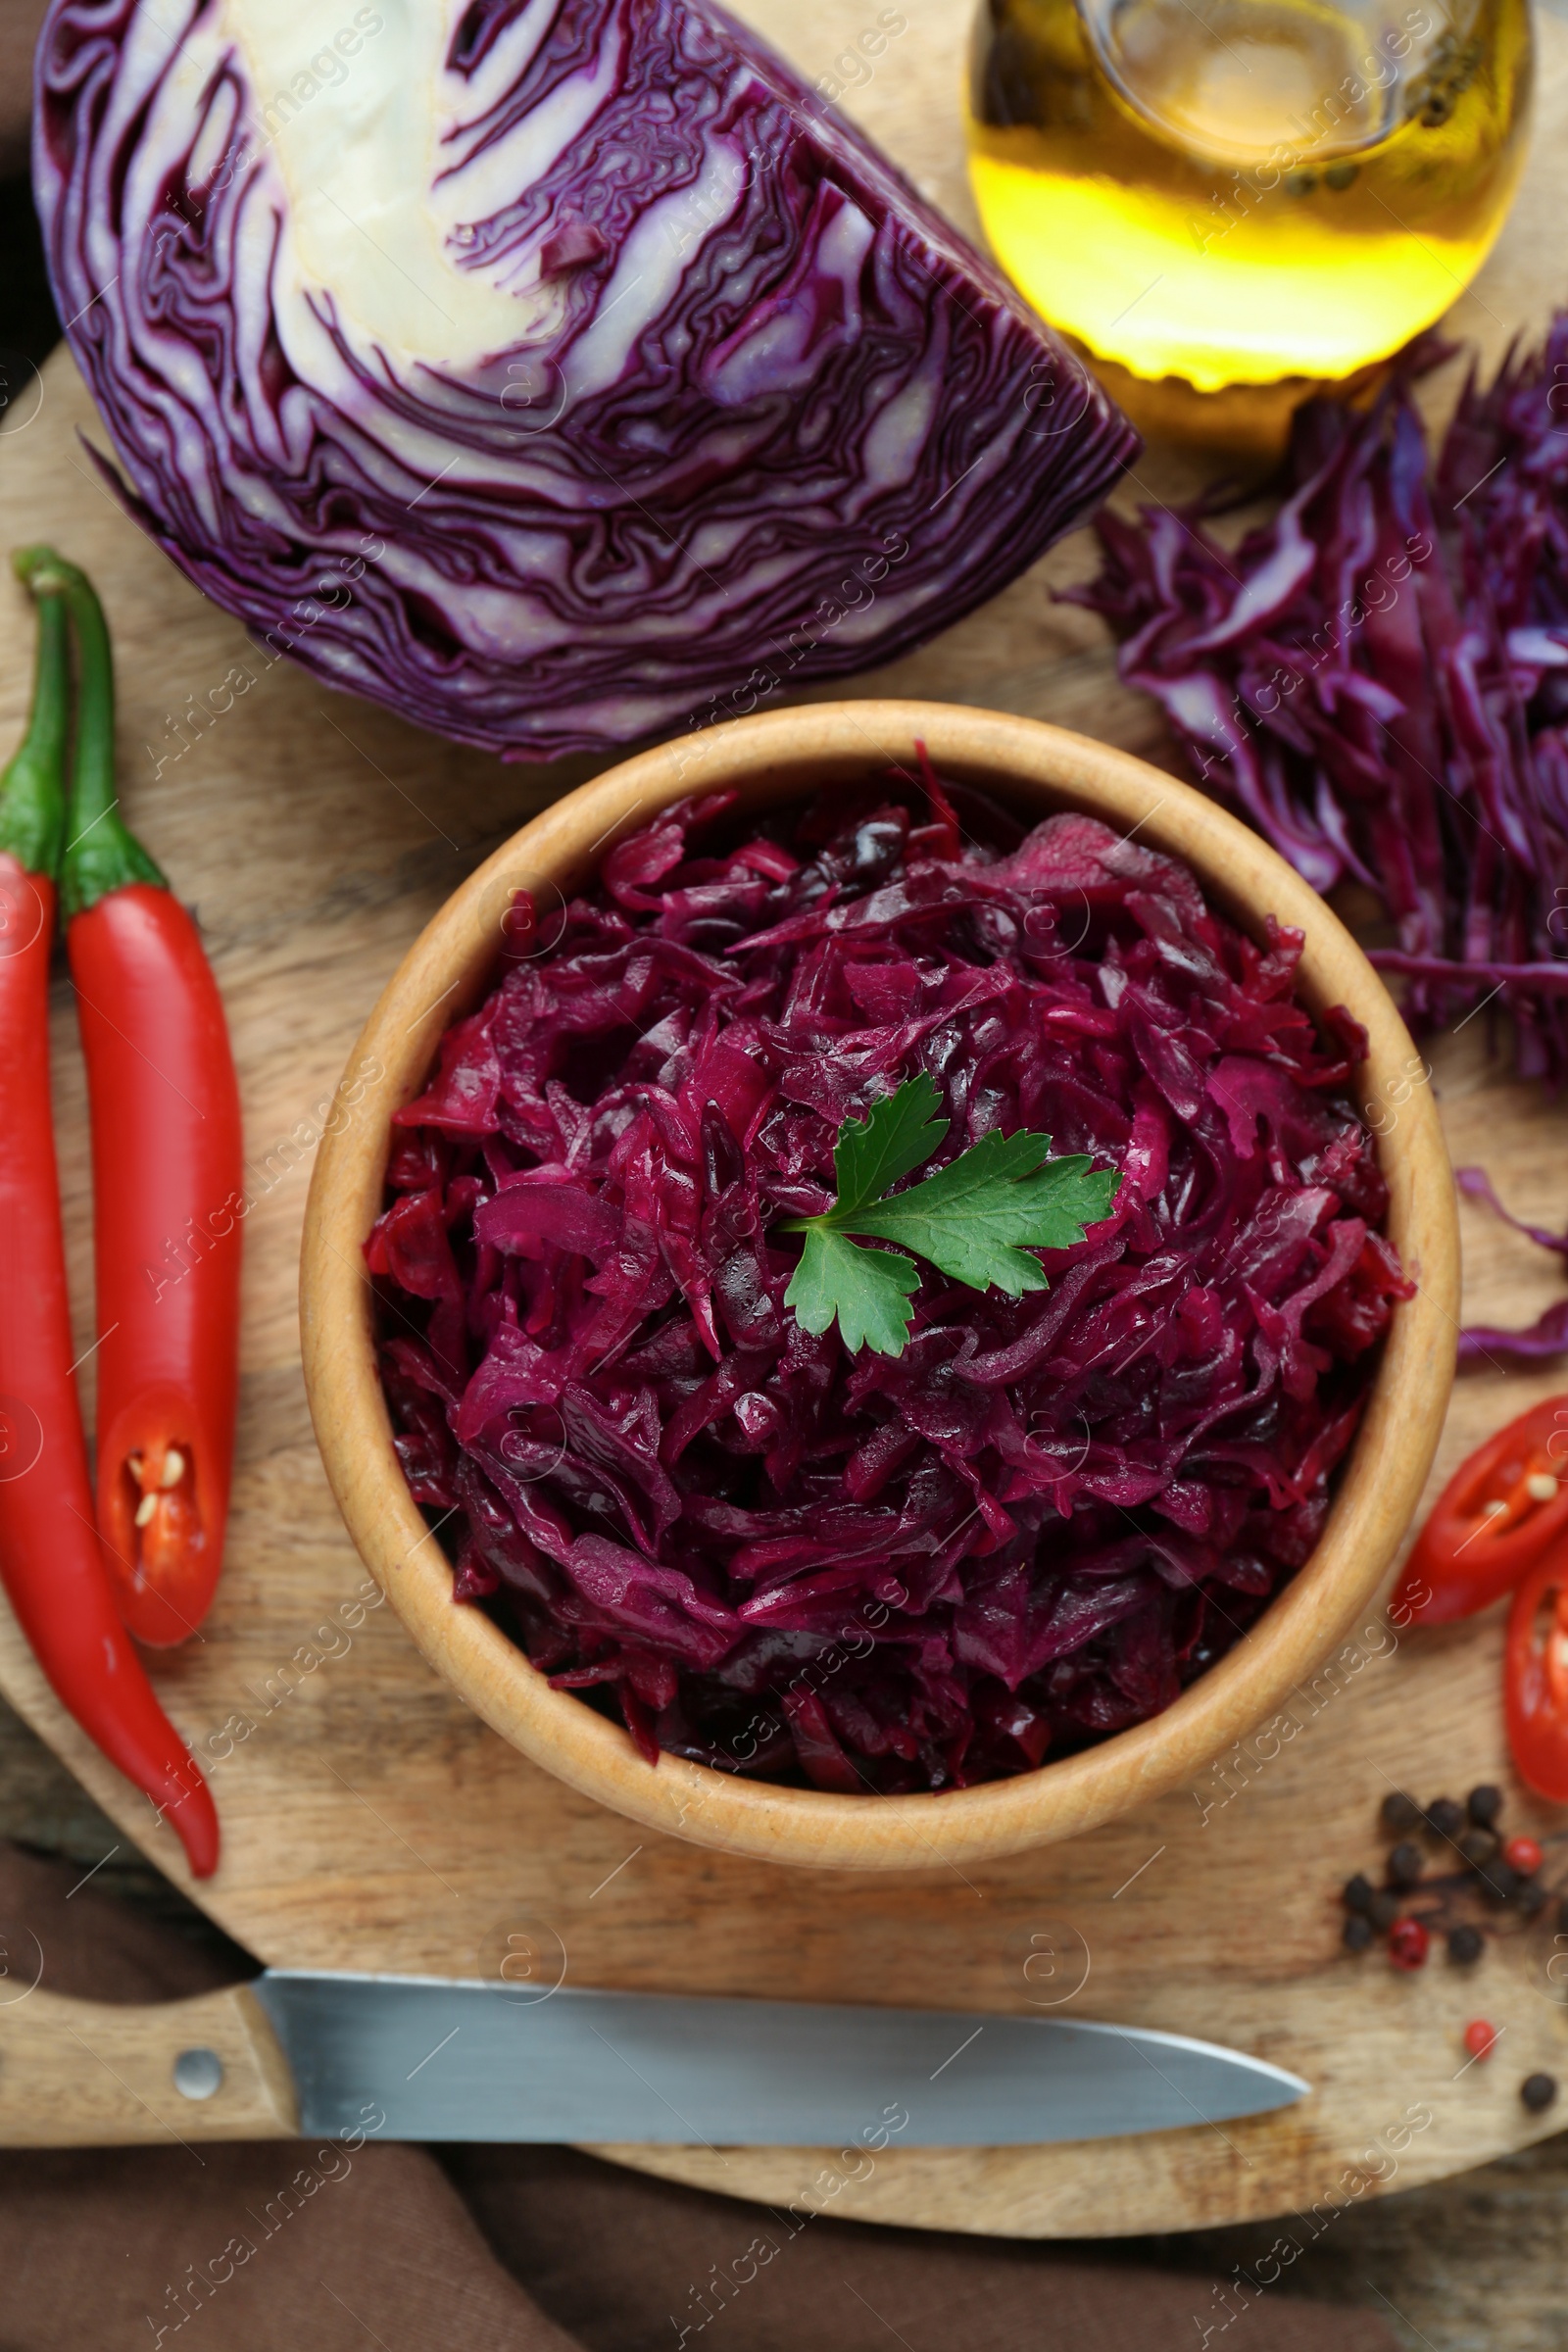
column 1048, row 1515
column 552, row 370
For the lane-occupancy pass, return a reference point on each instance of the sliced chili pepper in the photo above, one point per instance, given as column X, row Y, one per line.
column 51, row 1561
column 1536, row 1678
column 168, row 1164
column 1504, row 1506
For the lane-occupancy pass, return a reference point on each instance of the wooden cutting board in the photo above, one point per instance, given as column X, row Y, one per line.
column 371, row 1821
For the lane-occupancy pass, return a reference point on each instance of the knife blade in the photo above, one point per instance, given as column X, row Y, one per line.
column 453, row 2060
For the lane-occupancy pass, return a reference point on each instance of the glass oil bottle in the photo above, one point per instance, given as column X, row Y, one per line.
column 1246, row 192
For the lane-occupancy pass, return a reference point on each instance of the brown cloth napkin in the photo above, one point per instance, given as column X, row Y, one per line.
column 504, row 2249
column 20, row 21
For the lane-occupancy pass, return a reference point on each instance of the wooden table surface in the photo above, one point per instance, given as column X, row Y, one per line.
column 315, row 835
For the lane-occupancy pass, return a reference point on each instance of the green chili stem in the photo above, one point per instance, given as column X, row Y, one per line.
column 101, row 853
column 32, row 786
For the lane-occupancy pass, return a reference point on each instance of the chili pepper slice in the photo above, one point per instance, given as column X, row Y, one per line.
column 1503, row 1507
column 51, row 1561
column 1536, row 1677
column 168, row 1200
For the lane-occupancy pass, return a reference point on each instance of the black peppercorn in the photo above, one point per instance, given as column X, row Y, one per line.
column 1357, row 1932
column 1465, row 1944
column 1537, row 2092
column 1562, row 1915
column 1383, row 1910
column 1498, row 1884
column 1357, row 1893
column 1485, row 1804
column 1479, row 1847
column 1404, row 1864
column 1531, row 1898
column 1445, row 1819
column 1399, row 1812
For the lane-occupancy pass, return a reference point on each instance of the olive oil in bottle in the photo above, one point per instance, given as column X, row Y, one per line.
column 1242, row 192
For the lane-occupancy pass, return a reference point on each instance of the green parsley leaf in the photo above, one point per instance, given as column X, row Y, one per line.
column 868, row 1290
column 898, row 1134
column 977, row 1219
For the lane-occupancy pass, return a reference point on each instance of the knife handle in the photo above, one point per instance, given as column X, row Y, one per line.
column 99, row 2075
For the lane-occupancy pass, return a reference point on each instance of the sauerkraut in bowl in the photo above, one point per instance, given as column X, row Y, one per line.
column 866, row 1573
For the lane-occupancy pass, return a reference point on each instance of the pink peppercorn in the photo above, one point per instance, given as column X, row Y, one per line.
column 1408, row 1942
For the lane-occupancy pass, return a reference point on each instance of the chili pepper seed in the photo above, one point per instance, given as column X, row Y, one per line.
column 1465, row 1944
column 1522, row 1854
column 1480, row 2038
column 1537, row 2092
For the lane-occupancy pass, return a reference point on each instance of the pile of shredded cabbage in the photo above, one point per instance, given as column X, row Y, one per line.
column 1377, row 678
column 865, row 1572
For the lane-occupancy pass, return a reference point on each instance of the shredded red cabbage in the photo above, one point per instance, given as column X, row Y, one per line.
column 1378, row 678
column 1046, row 1516
column 1491, row 1347
column 1477, row 1185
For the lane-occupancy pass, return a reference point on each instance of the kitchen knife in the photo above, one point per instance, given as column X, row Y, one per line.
column 434, row 2059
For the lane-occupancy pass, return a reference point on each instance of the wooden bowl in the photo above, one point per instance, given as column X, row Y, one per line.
column 768, row 758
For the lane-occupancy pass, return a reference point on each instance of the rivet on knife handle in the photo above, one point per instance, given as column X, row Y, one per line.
column 91, row 2074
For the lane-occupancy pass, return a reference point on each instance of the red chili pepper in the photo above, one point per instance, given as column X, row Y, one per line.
column 1500, row 1511
column 51, row 1561
column 1536, row 1678
column 168, row 1166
